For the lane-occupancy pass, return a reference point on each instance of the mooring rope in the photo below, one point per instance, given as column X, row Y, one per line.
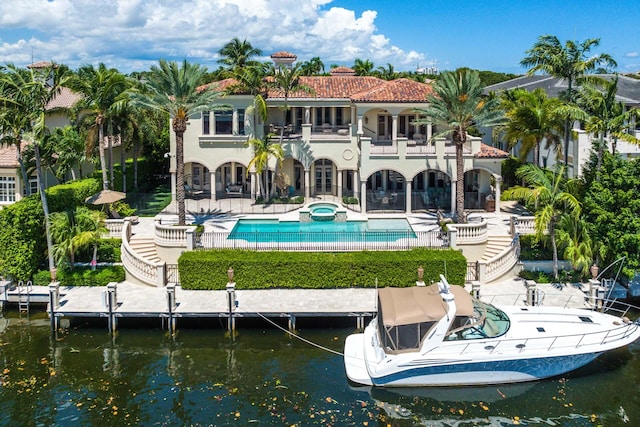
column 299, row 337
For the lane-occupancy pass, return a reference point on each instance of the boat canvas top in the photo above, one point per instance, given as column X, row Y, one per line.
column 419, row 304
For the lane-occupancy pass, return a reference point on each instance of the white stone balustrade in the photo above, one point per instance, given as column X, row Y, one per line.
column 471, row 233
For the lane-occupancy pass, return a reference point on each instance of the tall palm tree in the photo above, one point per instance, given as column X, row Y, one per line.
column 455, row 105
column 263, row 150
column 386, row 73
column 313, row 67
column 173, row 89
column 13, row 123
column 551, row 195
column 532, row 119
column 100, row 87
column 237, row 54
column 607, row 117
column 252, row 80
column 363, row 67
column 287, row 81
column 573, row 235
column 31, row 91
column 572, row 62
column 69, row 148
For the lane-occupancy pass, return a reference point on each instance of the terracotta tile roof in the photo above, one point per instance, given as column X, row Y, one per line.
column 9, row 155
column 219, row 85
column 284, row 54
column 487, row 152
column 342, row 71
column 40, row 64
column 65, row 99
column 353, row 88
column 399, row 90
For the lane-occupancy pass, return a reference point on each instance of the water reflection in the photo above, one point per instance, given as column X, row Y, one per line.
column 263, row 377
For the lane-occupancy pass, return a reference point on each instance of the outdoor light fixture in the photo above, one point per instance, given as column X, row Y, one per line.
column 230, row 274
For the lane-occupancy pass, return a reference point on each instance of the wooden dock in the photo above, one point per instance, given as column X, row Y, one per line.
column 127, row 300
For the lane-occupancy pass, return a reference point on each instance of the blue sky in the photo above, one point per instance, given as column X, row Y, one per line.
column 488, row 35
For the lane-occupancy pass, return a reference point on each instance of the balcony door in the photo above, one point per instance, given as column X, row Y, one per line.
column 323, row 176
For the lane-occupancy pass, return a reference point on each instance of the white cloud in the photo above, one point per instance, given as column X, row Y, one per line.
column 632, row 54
column 133, row 34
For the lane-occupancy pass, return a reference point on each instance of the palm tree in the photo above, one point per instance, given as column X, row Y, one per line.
column 571, row 62
column 456, row 105
column 31, row 91
column 313, row 67
column 387, row 73
column 173, row 89
column 100, row 87
column 237, row 54
column 69, row 148
column 252, row 80
column 363, row 67
column 551, row 195
column 287, row 81
column 13, row 124
column 607, row 117
column 573, row 235
column 75, row 230
column 533, row 118
column 263, row 150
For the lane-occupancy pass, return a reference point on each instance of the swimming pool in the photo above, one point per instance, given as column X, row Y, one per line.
column 273, row 230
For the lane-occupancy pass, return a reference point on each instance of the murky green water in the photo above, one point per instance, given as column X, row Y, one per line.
column 144, row 377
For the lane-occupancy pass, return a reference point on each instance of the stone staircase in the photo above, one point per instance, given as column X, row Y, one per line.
column 495, row 245
column 145, row 247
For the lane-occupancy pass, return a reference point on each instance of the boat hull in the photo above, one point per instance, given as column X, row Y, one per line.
column 483, row 373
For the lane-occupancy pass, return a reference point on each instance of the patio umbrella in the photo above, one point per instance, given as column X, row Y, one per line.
column 105, row 197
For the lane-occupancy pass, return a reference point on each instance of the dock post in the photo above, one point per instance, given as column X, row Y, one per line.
column 54, row 303
column 112, row 304
column 171, row 307
column 231, row 301
column 475, row 289
column 531, row 292
column 360, row 323
column 292, row 323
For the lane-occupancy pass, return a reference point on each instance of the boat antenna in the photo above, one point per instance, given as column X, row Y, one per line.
column 376, row 306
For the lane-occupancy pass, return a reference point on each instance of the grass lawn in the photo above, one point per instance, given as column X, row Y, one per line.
column 150, row 204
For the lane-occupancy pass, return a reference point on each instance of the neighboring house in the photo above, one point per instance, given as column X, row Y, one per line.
column 581, row 142
column 354, row 136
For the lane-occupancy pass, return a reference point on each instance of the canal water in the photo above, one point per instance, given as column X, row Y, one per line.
column 200, row 377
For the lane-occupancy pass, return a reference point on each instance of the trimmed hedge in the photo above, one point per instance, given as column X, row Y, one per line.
column 67, row 196
column 82, row 276
column 317, row 270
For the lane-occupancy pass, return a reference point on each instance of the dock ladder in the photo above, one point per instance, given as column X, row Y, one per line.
column 24, row 296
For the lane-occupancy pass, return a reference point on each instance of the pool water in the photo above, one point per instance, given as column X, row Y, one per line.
column 267, row 230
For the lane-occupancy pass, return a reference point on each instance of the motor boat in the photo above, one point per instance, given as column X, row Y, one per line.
column 439, row 335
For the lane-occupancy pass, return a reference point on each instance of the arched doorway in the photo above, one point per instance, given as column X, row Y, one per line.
column 386, row 191
column 431, row 191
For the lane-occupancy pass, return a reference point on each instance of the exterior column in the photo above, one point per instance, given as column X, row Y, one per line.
column 498, row 189
column 453, row 195
column 429, row 131
column 307, row 115
column 340, row 184
column 307, row 184
column 408, row 198
column 356, row 187
column 360, row 132
column 363, row 199
column 253, row 189
column 174, row 187
column 394, row 127
column 235, row 128
column 333, row 116
column 212, row 183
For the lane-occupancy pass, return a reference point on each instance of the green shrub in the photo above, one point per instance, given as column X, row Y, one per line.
column 108, row 251
column 533, row 249
column 69, row 195
column 347, row 200
column 317, row 270
column 82, row 276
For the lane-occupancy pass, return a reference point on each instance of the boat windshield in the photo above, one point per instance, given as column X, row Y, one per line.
column 487, row 322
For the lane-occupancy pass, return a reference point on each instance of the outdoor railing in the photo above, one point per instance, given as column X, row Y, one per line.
column 384, row 149
column 147, row 272
column 114, row 228
column 523, row 225
column 471, row 233
column 171, row 236
column 500, row 263
column 326, row 242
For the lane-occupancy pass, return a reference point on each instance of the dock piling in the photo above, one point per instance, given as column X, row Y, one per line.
column 171, row 307
column 231, row 301
column 112, row 304
column 54, row 303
